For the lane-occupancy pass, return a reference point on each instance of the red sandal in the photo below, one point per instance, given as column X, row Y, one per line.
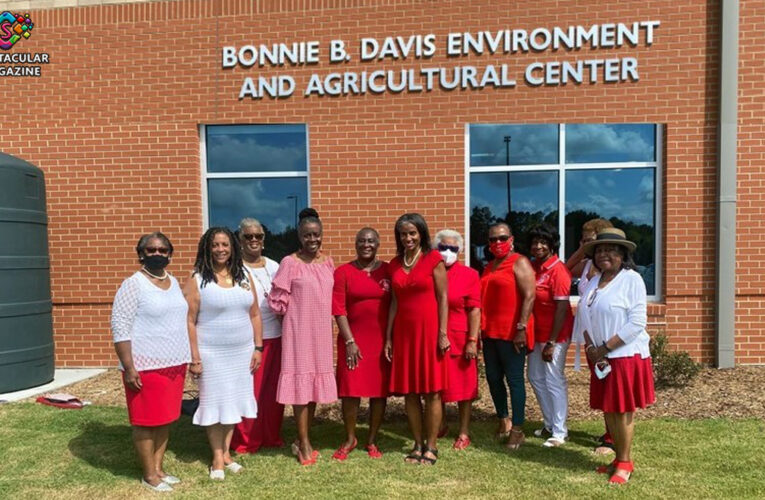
column 373, row 451
column 623, row 466
column 342, row 453
column 461, row 443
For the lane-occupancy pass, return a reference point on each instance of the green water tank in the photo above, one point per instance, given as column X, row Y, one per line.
column 26, row 323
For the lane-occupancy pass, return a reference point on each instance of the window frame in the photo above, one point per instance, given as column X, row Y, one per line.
column 562, row 167
column 206, row 176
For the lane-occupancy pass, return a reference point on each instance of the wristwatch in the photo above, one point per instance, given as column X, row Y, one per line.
column 520, row 326
column 259, row 348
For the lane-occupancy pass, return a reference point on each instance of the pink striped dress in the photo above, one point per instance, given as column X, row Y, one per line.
column 302, row 293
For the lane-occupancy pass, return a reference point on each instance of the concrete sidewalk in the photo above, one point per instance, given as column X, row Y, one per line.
column 61, row 378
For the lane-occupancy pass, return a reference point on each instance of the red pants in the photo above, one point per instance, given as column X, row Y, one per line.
column 250, row 434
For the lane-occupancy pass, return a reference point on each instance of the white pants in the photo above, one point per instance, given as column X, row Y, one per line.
column 550, row 386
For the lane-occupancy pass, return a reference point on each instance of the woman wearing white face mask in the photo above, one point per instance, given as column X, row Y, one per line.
column 463, row 328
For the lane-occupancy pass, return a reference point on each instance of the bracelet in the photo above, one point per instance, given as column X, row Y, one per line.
column 550, row 342
column 195, row 363
column 587, row 349
column 259, row 348
column 350, row 341
column 472, row 339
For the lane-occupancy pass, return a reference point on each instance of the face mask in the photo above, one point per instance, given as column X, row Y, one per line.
column 500, row 249
column 449, row 257
column 156, row 261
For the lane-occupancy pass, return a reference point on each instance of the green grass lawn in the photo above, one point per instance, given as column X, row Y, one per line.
column 50, row 453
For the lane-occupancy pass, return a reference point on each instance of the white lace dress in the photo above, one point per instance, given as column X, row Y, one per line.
column 225, row 340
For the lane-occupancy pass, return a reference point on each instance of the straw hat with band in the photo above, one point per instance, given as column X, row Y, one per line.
column 611, row 236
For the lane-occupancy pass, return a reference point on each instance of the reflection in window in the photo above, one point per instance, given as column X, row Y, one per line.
column 241, row 162
column 623, row 196
column 532, row 196
column 275, row 202
column 256, row 148
column 493, row 145
column 604, row 143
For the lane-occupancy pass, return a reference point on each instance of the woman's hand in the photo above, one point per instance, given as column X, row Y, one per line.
column 388, row 350
column 255, row 361
column 547, row 352
column 519, row 342
column 595, row 354
column 352, row 355
column 443, row 343
column 471, row 349
column 195, row 368
column 133, row 379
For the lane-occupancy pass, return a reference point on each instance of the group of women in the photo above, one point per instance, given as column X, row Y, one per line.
column 257, row 335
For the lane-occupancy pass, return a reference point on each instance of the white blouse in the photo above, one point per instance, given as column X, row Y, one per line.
column 263, row 278
column 619, row 308
column 153, row 321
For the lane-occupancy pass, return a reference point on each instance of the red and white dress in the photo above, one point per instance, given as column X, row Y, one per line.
column 302, row 293
column 464, row 295
column 417, row 367
column 364, row 298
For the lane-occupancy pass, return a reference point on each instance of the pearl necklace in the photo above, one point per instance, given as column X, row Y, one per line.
column 160, row 278
column 414, row 259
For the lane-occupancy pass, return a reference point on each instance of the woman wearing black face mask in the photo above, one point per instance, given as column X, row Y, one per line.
column 152, row 343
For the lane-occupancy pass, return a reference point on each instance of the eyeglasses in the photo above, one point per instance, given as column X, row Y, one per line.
column 591, row 298
column 251, row 236
column 494, row 239
column 161, row 250
column 443, row 248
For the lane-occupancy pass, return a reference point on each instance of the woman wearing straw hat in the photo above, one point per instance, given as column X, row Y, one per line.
column 613, row 310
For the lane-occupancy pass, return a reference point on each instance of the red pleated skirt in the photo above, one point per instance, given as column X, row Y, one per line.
column 627, row 387
column 463, row 379
column 253, row 433
column 159, row 400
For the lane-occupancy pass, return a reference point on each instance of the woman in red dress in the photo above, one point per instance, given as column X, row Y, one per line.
column 360, row 303
column 464, row 328
column 416, row 337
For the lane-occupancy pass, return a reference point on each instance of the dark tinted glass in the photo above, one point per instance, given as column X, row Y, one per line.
column 626, row 197
column 256, row 148
column 532, row 196
column 275, row 202
column 603, row 143
column 495, row 145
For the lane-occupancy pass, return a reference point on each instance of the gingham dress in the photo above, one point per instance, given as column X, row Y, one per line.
column 303, row 294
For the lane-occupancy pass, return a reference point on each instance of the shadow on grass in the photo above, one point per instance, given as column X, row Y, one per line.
column 108, row 447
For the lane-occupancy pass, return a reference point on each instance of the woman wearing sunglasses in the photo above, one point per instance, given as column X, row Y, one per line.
column 360, row 304
column 613, row 309
column 251, row 434
column 152, row 343
column 464, row 326
column 507, row 300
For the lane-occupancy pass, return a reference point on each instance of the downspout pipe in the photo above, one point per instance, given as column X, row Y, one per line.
column 725, row 295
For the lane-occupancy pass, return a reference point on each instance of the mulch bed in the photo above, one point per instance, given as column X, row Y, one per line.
column 736, row 393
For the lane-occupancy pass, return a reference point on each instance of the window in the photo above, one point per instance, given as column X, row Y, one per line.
column 258, row 171
column 527, row 174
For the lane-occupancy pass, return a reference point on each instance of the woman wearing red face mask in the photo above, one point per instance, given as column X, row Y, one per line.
column 507, row 299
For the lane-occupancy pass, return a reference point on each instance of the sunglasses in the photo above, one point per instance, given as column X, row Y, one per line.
column 251, row 236
column 591, row 298
column 494, row 239
column 161, row 250
column 443, row 248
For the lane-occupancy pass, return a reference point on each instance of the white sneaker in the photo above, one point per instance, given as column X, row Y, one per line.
column 161, row 487
column 217, row 474
column 554, row 442
column 168, row 479
column 234, row 467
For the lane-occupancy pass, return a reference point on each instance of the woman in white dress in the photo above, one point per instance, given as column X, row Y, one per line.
column 226, row 340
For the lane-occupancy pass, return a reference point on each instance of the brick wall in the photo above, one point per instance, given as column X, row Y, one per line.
column 114, row 121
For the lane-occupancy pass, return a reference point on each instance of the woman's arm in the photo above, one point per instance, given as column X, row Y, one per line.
column 442, row 298
column 389, row 329
column 191, row 294
column 474, row 329
column 257, row 327
column 524, row 277
column 124, row 311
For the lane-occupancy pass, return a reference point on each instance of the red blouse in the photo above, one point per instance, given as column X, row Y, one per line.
column 501, row 303
column 553, row 283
